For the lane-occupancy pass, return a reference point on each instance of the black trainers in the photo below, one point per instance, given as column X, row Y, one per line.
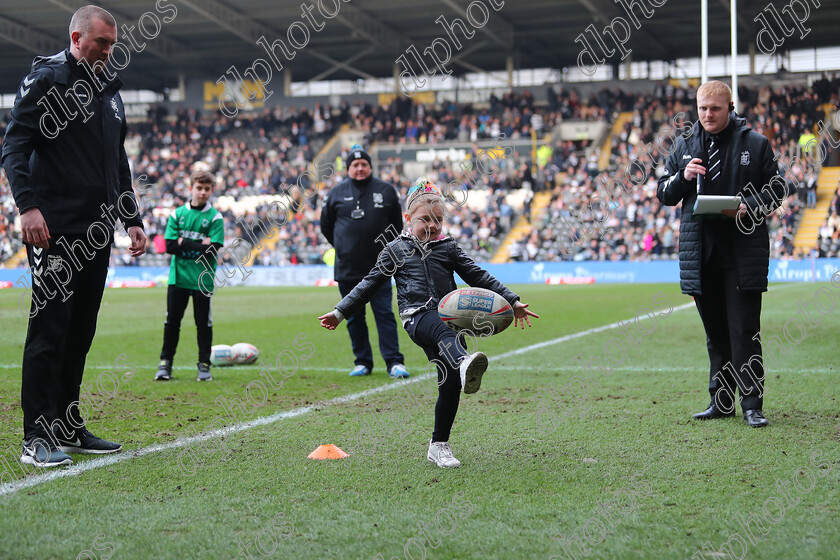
column 204, row 372
column 42, row 453
column 85, row 442
column 164, row 372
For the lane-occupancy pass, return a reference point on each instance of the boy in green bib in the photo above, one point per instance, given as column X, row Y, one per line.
column 194, row 234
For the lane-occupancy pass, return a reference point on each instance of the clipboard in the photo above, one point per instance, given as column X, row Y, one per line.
column 715, row 204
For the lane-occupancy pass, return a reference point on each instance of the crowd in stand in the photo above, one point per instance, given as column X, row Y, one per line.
column 593, row 214
column 512, row 114
column 615, row 215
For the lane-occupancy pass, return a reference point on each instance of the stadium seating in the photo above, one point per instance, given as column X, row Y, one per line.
column 257, row 157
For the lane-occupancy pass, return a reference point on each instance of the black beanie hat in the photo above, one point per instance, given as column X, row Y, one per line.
column 357, row 152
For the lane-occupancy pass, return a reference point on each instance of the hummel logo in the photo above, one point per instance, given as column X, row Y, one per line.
column 686, row 157
column 26, row 83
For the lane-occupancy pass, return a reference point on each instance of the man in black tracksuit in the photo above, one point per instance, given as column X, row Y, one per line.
column 64, row 157
column 361, row 215
column 724, row 261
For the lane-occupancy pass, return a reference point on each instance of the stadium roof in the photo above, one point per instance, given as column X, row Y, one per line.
column 364, row 39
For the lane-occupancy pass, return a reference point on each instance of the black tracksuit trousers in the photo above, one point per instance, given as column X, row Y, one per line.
column 68, row 280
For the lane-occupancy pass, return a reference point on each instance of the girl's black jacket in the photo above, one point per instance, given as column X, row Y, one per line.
column 423, row 273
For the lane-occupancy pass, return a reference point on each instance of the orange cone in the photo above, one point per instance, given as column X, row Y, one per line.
column 328, row 451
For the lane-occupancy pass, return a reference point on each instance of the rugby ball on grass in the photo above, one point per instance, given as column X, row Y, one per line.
column 223, row 355
column 245, row 353
column 483, row 312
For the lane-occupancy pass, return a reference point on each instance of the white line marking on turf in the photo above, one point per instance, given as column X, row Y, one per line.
column 12, row 488
column 505, row 355
column 577, row 335
column 685, row 369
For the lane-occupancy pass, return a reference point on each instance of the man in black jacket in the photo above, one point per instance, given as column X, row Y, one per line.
column 360, row 216
column 64, row 157
column 724, row 264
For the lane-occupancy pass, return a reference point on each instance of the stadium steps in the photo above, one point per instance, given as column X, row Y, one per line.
column 807, row 235
column 606, row 149
column 268, row 245
column 522, row 227
column 18, row 260
column 331, row 147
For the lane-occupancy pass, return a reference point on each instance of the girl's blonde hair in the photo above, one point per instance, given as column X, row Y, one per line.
column 422, row 188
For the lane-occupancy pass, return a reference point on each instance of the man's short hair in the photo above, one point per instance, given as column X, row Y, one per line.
column 715, row 87
column 201, row 176
column 84, row 16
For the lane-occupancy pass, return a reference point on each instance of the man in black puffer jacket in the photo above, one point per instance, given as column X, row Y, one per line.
column 724, row 260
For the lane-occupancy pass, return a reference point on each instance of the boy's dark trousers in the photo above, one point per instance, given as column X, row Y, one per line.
column 66, row 294
column 447, row 349
column 176, row 303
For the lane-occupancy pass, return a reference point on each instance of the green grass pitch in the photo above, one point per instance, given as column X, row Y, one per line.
column 558, row 461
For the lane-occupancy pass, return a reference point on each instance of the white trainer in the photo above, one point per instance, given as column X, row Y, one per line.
column 441, row 455
column 472, row 368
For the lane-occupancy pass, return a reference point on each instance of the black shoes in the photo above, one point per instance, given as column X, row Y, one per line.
column 85, row 442
column 755, row 418
column 713, row 412
column 43, row 453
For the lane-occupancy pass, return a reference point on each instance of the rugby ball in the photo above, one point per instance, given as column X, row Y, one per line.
column 245, row 353
column 477, row 311
column 223, row 355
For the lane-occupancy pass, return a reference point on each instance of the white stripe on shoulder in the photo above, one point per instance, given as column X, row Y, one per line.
column 218, row 216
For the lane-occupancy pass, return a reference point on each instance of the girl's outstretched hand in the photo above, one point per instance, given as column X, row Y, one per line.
column 521, row 315
column 329, row 321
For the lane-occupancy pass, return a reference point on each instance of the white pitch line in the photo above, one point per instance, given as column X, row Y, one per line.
column 12, row 488
column 579, row 334
column 685, row 369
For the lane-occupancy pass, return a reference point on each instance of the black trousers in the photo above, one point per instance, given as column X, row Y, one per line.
column 68, row 280
column 386, row 327
column 176, row 304
column 732, row 320
column 445, row 349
